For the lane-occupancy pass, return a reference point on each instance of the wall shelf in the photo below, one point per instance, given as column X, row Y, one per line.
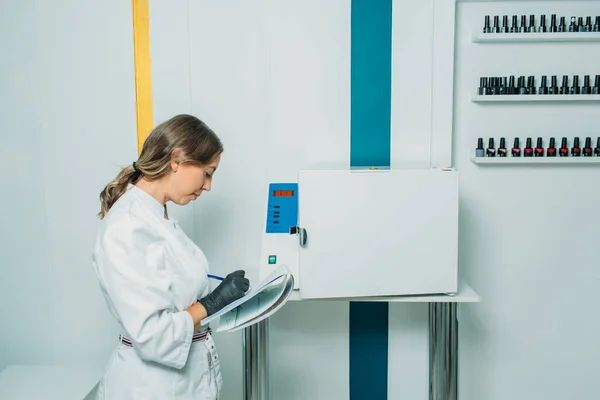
column 534, row 98
column 534, row 160
column 560, row 37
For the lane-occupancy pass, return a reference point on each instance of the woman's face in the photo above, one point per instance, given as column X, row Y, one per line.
column 189, row 180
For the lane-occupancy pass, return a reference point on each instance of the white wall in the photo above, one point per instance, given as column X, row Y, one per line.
column 67, row 123
column 528, row 234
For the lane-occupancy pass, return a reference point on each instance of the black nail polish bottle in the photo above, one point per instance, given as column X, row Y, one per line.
column 553, row 27
column 491, row 151
column 588, row 24
column 502, row 148
column 542, row 24
column 586, row 88
column 573, row 25
column 597, row 149
column 497, row 84
column 505, row 28
column 482, row 86
column 596, row 88
column 553, row 86
column 522, row 87
column 511, row 85
column 523, row 27
column 528, row 150
column 486, row 25
column 587, row 149
column 564, row 89
column 580, row 25
column 539, row 148
column 576, row 150
column 551, row 152
column 515, row 24
column 479, row 151
column 543, row 86
column 516, row 150
column 531, row 85
column 502, row 86
column 564, row 148
column 562, row 26
column 597, row 25
column 575, row 89
column 496, row 24
column 532, row 24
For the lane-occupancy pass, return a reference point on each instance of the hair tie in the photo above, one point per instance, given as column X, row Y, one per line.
column 136, row 173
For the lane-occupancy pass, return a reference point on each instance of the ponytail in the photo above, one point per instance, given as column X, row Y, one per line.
column 116, row 189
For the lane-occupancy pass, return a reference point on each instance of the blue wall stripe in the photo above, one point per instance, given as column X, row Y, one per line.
column 370, row 145
column 370, row 83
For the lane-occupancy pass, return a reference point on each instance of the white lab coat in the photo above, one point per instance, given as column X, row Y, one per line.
column 149, row 272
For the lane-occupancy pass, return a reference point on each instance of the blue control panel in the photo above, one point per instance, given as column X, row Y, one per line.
column 282, row 212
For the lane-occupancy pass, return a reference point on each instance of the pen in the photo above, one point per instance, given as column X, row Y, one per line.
column 216, row 277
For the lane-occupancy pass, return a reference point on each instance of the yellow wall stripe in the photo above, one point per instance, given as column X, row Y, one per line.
column 143, row 70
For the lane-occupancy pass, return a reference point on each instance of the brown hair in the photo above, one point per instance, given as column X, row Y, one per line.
column 184, row 133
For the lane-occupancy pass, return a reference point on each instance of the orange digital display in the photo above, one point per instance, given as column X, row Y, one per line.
column 283, row 193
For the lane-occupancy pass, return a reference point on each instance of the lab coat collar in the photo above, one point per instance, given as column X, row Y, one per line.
column 149, row 201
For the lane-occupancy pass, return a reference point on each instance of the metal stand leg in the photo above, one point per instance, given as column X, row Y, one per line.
column 443, row 351
column 256, row 361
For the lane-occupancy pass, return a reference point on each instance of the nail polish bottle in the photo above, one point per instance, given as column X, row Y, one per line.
column 542, row 24
column 479, row 151
column 523, row 27
column 596, row 27
column 575, row 89
column 482, row 86
column 516, row 150
column 539, row 148
column 502, row 148
column 586, row 88
column 511, row 85
column 532, row 24
column 588, row 24
column 496, row 24
column 573, row 26
column 562, row 26
column 587, row 149
column 576, row 150
column 497, row 86
column 522, row 87
column 543, row 86
column 502, row 89
column 515, row 24
column 564, row 148
column 596, row 88
column 553, row 27
column 486, row 25
column 564, row 89
column 491, row 151
column 551, row 151
column 505, row 28
column 528, row 150
column 553, row 88
column 531, row 85
column 580, row 25
column 597, row 149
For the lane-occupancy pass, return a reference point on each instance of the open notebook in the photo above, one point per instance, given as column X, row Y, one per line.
column 259, row 303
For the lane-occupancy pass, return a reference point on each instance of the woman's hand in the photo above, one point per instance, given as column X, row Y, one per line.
column 233, row 287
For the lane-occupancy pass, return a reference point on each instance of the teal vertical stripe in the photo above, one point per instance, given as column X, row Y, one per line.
column 371, row 83
column 370, row 145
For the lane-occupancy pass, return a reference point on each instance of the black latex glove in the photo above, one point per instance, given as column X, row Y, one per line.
column 233, row 287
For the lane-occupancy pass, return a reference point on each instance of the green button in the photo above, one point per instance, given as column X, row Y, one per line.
column 272, row 259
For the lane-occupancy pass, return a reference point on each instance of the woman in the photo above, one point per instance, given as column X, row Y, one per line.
column 152, row 275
